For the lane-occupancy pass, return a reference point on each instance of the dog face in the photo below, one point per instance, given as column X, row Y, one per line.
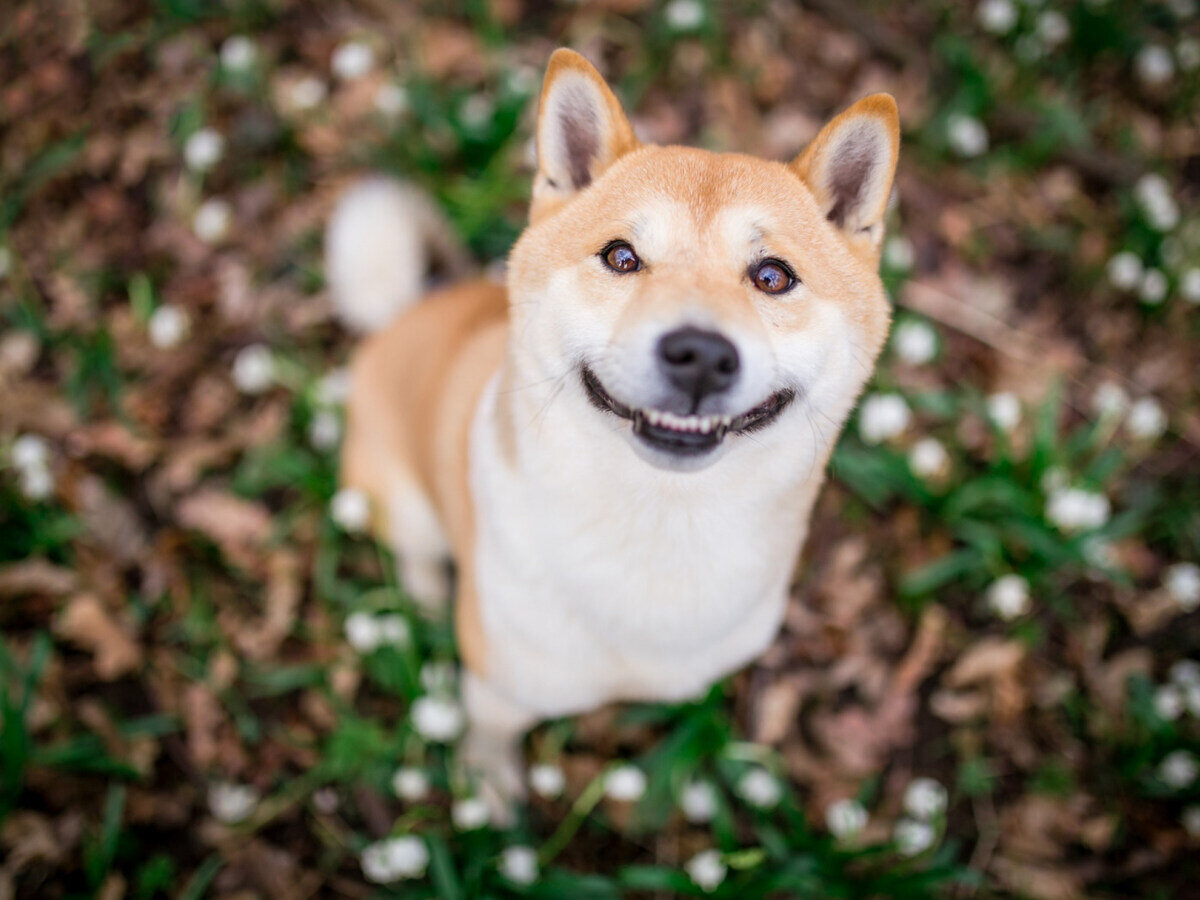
column 689, row 299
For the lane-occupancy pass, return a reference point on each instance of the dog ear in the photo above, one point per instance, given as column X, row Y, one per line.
column 581, row 128
column 850, row 165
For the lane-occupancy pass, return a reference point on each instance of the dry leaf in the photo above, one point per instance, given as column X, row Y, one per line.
column 86, row 622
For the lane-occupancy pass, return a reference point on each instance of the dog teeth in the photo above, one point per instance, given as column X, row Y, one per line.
column 700, row 424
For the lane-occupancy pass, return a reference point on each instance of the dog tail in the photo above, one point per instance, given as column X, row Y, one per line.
column 381, row 244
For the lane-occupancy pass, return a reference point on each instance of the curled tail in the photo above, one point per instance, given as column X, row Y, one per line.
column 381, row 242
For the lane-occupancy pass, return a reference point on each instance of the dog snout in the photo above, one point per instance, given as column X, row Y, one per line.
column 698, row 362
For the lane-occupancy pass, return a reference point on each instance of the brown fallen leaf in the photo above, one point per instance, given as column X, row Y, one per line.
column 202, row 716
column 235, row 525
column 260, row 641
column 88, row 623
column 36, row 576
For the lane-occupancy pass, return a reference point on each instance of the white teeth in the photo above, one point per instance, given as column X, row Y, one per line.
column 701, row 424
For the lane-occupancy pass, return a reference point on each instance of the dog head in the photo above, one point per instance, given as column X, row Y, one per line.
column 688, row 299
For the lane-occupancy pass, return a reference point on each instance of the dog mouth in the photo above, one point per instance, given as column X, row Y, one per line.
column 685, row 435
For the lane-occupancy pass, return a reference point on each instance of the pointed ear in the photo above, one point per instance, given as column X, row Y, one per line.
column 581, row 128
column 850, row 165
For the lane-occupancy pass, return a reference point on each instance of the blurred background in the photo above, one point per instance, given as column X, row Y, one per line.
column 988, row 683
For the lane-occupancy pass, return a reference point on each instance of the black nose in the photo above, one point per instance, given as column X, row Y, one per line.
column 698, row 362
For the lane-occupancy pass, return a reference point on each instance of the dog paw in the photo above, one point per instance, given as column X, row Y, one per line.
column 496, row 767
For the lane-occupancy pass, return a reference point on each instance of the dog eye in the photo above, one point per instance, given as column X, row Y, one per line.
column 773, row 277
column 619, row 257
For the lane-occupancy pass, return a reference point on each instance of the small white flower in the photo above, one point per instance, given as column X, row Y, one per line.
column 29, row 451
column 698, row 801
column 168, row 326
column 351, row 60
column 470, row 813
column 37, row 482
column 519, row 865
column 898, row 254
column 1191, row 699
column 324, row 430
column 1053, row 28
column 706, row 868
column 997, row 16
column 760, row 788
column 1008, row 598
column 967, row 135
column 254, row 369
column 1168, row 702
column 1110, row 400
column 1189, row 286
column 213, row 220
column 476, row 112
column 547, row 780
column 1191, row 821
column 913, row 838
column 1154, row 66
column 1125, row 270
column 394, row 858
column 1182, row 582
column 915, row 342
column 438, row 719
column 925, row 799
column 845, row 818
column 1178, row 769
column 363, row 632
column 438, row 676
column 522, row 80
column 410, row 784
column 333, row 388
column 1185, row 673
column 5, row 261
column 1187, row 51
column 684, row 15
column 394, row 630
column 883, row 416
column 351, row 510
column 203, row 150
column 1153, row 289
column 928, row 458
column 1147, row 420
column 1076, row 509
column 231, row 803
column 238, row 53
column 1153, row 194
column 625, row 783
column 1004, row 409
column 307, row 94
column 391, row 100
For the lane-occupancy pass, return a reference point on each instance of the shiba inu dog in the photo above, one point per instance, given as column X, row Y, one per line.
column 620, row 448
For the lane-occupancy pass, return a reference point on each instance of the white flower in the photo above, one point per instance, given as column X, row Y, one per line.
column 1110, row 400
column 913, row 838
column 395, row 858
column 351, row 510
column 391, row 99
column 37, row 482
column 928, row 457
column 238, row 53
column 307, row 93
column 706, row 869
column 393, row 629
column 470, row 813
column 625, row 783
column 231, row 803
column 883, row 416
column 522, row 80
column 1153, row 194
column 1191, row 699
column 333, row 388
column 410, row 784
column 1178, row 769
column 1187, row 51
column 363, row 632
column 438, row 719
column 1004, row 409
column 1183, row 9
column 1189, row 286
column 1168, row 702
column 915, row 342
column 254, row 369
column 898, row 253
column 1125, row 270
column 1076, row 509
column 324, row 430
column 476, row 112
column 212, row 220
column 1185, row 673
column 1053, row 28
column 438, row 676
column 1147, row 420
column 1154, row 66
column 997, row 16
column 1191, row 821
column 760, row 788
column 1008, row 598
column 547, row 780
column 519, row 864
column 698, row 801
column 351, row 60
column 1182, row 582
column 845, row 818
column 925, row 799
column 203, row 150
column 29, row 451
column 5, row 261
column 168, row 326
column 684, row 15
column 967, row 135
column 1153, row 289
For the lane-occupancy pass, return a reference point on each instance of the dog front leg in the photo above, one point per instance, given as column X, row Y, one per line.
column 491, row 749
